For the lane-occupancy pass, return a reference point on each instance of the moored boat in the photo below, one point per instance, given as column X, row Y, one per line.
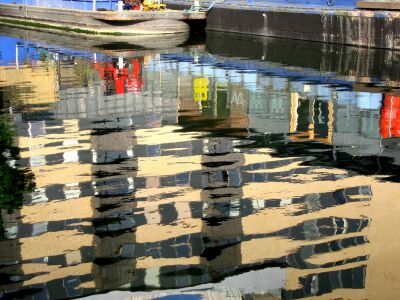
column 104, row 23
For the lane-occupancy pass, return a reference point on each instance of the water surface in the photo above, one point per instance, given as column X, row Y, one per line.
column 238, row 165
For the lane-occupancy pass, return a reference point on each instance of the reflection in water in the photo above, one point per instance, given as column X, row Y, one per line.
column 186, row 169
column 14, row 182
column 121, row 75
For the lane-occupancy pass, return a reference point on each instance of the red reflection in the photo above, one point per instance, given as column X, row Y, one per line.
column 120, row 80
column 135, row 81
column 390, row 117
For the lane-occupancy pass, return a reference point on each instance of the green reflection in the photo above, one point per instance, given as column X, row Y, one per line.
column 84, row 71
column 14, row 182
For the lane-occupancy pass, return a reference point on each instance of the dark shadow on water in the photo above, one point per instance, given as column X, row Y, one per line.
column 321, row 154
column 328, row 156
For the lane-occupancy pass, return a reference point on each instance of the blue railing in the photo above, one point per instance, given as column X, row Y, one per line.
column 112, row 4
column 305, row 3
column 72, row 4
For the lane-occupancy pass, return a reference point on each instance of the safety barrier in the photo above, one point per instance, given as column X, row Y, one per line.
column 70, row 4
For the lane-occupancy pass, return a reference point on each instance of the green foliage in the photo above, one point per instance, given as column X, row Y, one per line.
column 6, row 134
column 14, row 182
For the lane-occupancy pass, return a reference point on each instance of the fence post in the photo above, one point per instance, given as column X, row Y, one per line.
column 94, row 5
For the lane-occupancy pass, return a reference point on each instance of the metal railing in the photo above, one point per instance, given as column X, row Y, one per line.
column 71, row 4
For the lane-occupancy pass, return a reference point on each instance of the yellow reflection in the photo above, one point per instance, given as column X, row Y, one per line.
column 40, row 79
column 200, row 89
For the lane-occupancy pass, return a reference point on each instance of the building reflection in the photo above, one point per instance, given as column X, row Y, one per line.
column 120, row 77
column 163, row 183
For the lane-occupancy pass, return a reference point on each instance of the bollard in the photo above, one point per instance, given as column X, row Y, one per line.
column 120, row 6
column 196, row 6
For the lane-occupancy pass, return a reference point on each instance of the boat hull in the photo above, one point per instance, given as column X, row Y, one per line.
column 102, row 23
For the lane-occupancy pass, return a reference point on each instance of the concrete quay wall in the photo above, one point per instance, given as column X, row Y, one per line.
column 104, row 22
column 366, row 28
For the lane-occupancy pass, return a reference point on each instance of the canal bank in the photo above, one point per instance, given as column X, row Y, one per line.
column 339, row 22
column 332, row 24
column 106, row 23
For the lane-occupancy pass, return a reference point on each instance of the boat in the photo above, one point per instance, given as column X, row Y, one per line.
column 101, row 22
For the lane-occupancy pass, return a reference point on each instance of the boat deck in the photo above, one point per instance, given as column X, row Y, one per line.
column 147, row 15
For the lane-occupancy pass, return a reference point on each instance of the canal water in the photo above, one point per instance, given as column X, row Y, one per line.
column 226, row 165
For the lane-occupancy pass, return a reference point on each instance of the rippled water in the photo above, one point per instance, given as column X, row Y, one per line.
column 234, row 166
